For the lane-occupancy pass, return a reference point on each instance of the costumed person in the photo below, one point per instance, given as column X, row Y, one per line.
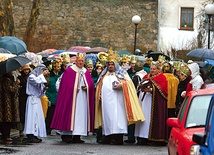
column 154, row 104
column 125, row 62
column 133, row 60
column 90, row 67
column 172, row 85
column 99, row 68
column 184, row 79
column 161, row 59
column 52, row 93
column 66, row 61
column 116, row 101
column 25, row 71
column 34, row 117
column 176, row 68
column 9, row 105
column 74, row 111
column 136, row 78
column 147, row 64
column 196, row 81
column 131, row 71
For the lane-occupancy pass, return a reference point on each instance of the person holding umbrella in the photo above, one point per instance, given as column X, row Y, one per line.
column 34, row 118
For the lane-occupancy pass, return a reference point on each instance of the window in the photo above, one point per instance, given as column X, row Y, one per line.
column 181, row 112
column 186, row 20
column 197, row 113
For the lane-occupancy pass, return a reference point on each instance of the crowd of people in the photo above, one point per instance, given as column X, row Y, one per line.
column 114, row 97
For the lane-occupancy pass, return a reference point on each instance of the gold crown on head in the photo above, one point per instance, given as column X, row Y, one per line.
column 89, row 62
column 134, row 59
column 185, row 70
column 166, row 66
column 161, row 58
column 99, row 64
column 56, row 63
column 125, row 58
column 149, row 60
column 112, row 56
column 66, row 58
column 80, row 56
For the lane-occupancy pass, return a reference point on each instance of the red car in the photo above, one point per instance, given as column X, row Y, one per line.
column 191, row 119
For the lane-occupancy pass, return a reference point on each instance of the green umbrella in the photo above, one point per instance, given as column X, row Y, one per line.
column 13, row 44
column 124, row 52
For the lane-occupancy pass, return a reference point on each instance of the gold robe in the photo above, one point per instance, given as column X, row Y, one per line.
column 134, row 111
column 172, row 85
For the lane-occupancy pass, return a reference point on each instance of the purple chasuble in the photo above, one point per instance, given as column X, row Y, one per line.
column 63, row 111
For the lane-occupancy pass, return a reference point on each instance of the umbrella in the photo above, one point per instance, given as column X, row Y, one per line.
column 202, row 53
column 141, row 58
column 71, row 52
column 97, row 50
column 80, row 48
column 47, row 51
column 2, row 50
column 91, row 56
column 209, row 62
column 13, row 63
column 13, row 44
column 124, row 52
column 57, row 52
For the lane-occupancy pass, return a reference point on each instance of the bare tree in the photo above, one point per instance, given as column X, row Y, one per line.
column 31, row 26
column 6, row 18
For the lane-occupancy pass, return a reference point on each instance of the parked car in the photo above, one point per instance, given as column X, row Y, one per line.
column 206, row 139
column 191, row 119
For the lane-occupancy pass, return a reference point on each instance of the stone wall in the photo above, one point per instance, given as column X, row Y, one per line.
column 63, row 22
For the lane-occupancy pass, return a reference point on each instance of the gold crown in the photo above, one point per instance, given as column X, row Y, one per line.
column 177, row 65
column 134, row 59
column 185, row 70
column 149, row 60
column 66, row 58
column 166, row 66
column 102, row 56
column 56, row 63
column 113, row 56
column 89, row 62
column 99, row 64
column 80, row 56
column 125, row 58
column 161, row 58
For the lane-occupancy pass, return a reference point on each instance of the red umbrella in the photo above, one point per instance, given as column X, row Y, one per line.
column 79, row 48
column 47, row 51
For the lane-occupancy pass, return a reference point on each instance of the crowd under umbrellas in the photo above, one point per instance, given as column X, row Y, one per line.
column 14, row 55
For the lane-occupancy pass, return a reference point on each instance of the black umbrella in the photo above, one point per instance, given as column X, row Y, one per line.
column 12, row 64
column 202, row 53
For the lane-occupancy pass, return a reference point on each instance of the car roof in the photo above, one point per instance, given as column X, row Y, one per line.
column 201, row 92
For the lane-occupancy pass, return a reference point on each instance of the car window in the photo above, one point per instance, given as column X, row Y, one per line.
column 198, row 111
column 181, row 114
